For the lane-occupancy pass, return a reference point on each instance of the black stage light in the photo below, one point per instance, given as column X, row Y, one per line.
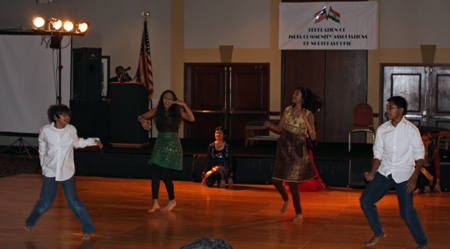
column 55, row 41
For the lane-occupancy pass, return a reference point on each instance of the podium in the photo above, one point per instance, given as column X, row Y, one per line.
column 128, row 101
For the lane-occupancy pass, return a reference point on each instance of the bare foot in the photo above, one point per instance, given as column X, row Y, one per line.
column 170, row 206
column 27, row 228
column 375, row 239
column 86, row 236
column 298, row 218
column 285, row 206
column 154, row 207
column 321, row 184
column 427, row 189
column 230, row 182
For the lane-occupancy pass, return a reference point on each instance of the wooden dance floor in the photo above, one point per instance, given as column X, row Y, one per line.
column 247, row 216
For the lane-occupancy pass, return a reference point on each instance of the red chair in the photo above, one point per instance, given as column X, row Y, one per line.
column 362, row 121
column 445, row 136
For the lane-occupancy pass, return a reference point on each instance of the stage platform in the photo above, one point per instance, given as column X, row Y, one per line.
column 254, row 164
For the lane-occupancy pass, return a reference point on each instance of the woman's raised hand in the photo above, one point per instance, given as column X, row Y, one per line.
column 267, row 124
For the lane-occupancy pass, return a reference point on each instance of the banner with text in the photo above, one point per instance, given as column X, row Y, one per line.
column 328, row 25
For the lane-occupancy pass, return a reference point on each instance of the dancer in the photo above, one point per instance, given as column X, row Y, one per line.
column 56, row 143
column 219, row 163
column 315, row 184
column 167, row 154
column 396, row 149
column 429, row 177
column 292, row 162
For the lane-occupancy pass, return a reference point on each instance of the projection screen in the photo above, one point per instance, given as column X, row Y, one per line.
column 29, row 81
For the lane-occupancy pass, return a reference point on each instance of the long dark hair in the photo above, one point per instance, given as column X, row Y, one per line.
column 173, row 113
column 431, row 147
column 310, row 101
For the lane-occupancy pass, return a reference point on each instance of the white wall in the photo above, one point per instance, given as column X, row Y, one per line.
column 116, row 26
column 243, row 24
column 411, row 23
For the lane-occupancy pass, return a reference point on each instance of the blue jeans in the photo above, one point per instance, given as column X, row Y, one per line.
column 377, row 189
column 48, row 193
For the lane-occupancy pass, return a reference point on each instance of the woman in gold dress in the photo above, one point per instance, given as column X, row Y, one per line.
column 292, row 162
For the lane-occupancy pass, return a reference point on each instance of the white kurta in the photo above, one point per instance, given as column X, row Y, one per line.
column 56, row 150
column 398, row 148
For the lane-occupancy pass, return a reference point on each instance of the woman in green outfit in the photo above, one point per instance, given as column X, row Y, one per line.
column 167, row 153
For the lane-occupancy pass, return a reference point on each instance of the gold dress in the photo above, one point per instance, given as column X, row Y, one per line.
column 292, row 161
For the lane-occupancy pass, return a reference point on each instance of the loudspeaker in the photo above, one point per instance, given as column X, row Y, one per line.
column 128, row 101
column 334, row 173
column 445, row 175
column 87, row 73
column 254, row 170
column 91, row 118
column 198, row 165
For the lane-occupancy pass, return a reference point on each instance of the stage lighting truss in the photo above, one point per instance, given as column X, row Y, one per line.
column 68, row 26
column 39, row 23
column 56, row 25
column 81, row 27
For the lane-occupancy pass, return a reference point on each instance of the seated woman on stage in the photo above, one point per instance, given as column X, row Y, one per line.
column 219, row 163
column 430, row 175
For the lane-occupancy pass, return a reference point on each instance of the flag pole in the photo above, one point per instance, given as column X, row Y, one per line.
column 146, row 14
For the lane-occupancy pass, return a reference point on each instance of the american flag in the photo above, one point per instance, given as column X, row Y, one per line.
column 321, row 15
column 144, row 73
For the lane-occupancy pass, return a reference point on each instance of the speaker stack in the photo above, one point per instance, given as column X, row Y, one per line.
column 90, row 115
column 91, row 118
column 87, row 73
column 128, row 101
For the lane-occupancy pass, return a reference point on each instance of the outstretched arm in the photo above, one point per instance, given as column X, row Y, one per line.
column 186, row 112
column 144, row 119
column 99, row 144
column 276, row 128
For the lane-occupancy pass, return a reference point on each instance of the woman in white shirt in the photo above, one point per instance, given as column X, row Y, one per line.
column 56, row 143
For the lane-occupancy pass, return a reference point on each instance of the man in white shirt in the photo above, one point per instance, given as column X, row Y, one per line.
column 397, row 147
column 56, row 143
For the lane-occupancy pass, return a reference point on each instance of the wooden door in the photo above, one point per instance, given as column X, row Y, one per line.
column 305, row 68
column 411, row 83
column 339, row 77
column 227, row 94
column 439, row 100
column 346, row 86
column 205, row 91
column 426, row 88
